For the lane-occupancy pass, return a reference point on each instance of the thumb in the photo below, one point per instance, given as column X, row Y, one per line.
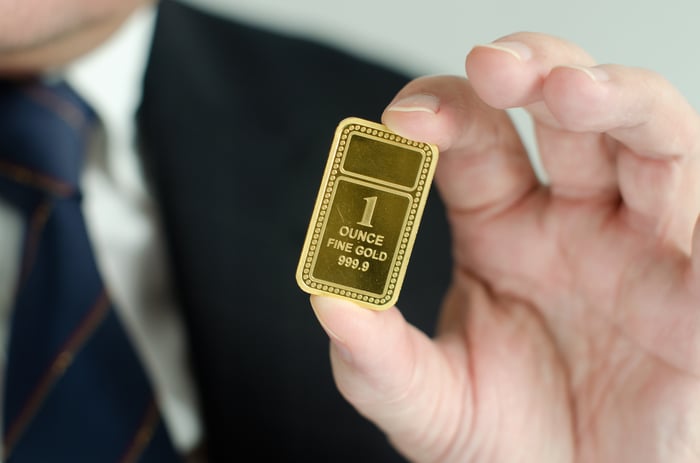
column 394, row 375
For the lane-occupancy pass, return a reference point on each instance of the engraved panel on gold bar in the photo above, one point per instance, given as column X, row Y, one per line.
column 366, row 215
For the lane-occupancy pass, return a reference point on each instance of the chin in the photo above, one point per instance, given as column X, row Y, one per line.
column 39, row 35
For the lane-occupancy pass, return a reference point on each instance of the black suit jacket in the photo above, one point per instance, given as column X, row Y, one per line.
column 236, row 125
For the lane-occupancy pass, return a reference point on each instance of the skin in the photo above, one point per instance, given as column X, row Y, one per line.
column 42, row 35
column 571, row 331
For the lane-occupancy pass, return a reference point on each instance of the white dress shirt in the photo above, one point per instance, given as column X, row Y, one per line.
column 122, row 220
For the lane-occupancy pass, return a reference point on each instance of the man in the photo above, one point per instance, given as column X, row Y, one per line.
column 219, row 99
column 235, row 125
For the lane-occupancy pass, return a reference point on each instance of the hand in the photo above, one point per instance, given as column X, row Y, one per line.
column 571, row 332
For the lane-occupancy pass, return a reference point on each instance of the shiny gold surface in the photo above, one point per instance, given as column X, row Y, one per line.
column 366, row 215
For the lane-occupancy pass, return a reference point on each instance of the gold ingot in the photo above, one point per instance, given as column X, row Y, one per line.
column 366, row 215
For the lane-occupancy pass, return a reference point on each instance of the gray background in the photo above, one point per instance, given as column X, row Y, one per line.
column 434, row 36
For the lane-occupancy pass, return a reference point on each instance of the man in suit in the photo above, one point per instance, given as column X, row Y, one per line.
column 233, row 128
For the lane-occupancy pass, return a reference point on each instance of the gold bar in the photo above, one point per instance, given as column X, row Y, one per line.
column 366, row 215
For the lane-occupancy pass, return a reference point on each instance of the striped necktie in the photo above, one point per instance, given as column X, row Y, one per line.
column 75, row 390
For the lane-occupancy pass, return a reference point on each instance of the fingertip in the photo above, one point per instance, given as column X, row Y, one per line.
column 324, row 308
column 502, row 74
column 424, row 110
column 338, row 319
column 576, row 96
column 367, row 346
column 413, row 116
column 350, row 324
column 418, row 125
column 510, row 71
column 483, row 163
column 337, row 315
column 329, row 306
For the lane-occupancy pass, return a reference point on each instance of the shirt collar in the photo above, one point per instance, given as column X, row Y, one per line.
column 110, row 79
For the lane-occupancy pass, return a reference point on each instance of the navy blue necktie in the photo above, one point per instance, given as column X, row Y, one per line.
column 74, row 388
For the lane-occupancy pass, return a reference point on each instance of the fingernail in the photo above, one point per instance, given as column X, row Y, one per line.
column 596, row 74
column 420, row 102
column 517, row 49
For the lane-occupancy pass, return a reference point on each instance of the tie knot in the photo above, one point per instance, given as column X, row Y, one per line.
column 44, row 131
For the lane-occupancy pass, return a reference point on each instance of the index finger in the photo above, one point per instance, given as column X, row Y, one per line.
column 483, row 164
